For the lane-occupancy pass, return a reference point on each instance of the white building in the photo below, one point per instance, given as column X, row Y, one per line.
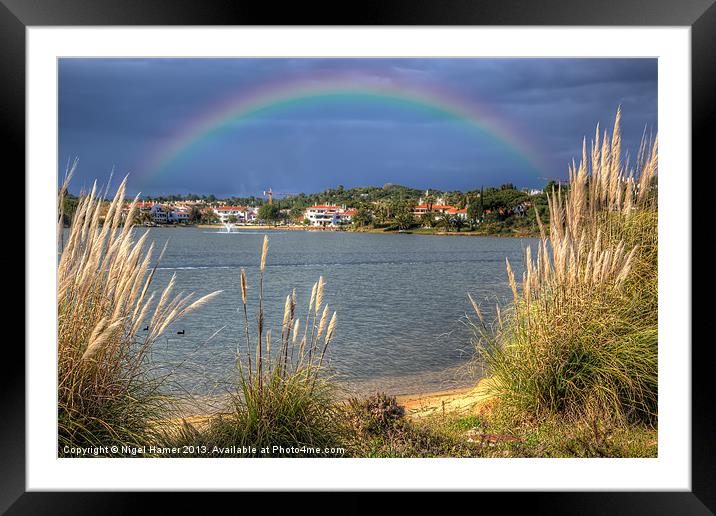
column 144, row 206
column 224, row 212
column 159, row 214
column 458, row 213
column 251, row 214
column 437, row 209
column 436, row 201
column 179, row 215
column 322, row 215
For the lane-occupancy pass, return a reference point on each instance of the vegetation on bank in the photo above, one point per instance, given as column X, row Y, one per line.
column 512, row 228
column 579, row 341
column 108, row 321
column 492, row 434
column 572, row 361
column 282, row 398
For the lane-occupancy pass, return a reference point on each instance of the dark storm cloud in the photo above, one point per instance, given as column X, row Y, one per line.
column 116, row 112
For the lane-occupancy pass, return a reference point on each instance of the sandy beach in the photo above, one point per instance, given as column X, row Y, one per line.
column 465, row 400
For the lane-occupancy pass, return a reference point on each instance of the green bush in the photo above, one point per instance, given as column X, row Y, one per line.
column 289, row 411
column 581, row 336
column 105, row 392
column 376, row 414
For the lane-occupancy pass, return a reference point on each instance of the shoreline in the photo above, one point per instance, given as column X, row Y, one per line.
column 477, row 398
column 379, row 231
column 464, row 399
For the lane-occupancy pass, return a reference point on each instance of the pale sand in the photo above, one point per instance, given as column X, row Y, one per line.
column 464, row 401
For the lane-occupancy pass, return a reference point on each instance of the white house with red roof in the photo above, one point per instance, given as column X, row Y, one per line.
column 321, row 215
column 242, row 213
column 144, row 206
column 462, row 213
column 439, row 210
column 180, row 214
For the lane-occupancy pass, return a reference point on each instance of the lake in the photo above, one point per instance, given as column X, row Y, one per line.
column 401, row 301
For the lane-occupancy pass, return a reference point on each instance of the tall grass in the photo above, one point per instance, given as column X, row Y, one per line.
column 103, row 305
column 282, row 399
column 581, row 335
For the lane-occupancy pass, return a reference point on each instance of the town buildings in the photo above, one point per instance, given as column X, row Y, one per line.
column 439, row 210
column 322, row 215
column 160, row 213
column 239, row 213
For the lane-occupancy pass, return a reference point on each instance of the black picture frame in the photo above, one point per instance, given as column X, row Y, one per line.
column 700, row 15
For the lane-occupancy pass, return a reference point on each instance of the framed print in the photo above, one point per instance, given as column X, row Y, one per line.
column 425, row 251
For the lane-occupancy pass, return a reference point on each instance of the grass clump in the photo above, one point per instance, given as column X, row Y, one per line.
column 375, row 432
column 378, row 426
column 581, row 336
column 103, row 302
column 501, row 435
column 588, row 436
column 283, row 400
column 376, row 414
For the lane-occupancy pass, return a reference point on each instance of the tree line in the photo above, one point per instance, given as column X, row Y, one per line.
column 497, row 209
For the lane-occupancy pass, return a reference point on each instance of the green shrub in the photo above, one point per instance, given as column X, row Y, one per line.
column 581, row 336
column 376, row 414
column 291, row 411
column 105, row 395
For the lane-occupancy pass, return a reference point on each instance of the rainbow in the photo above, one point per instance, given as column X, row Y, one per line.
column 250, row 104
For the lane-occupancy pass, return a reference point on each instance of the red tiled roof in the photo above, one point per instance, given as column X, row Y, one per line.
column 424, row 206
column 322, row 207
column 231, row 208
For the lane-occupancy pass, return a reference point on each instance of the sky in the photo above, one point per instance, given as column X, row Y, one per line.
column 236, row 127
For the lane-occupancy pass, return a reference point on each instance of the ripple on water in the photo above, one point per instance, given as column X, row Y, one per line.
column 400, row 301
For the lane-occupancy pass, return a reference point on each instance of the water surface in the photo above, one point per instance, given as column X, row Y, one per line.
column 401, row 301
